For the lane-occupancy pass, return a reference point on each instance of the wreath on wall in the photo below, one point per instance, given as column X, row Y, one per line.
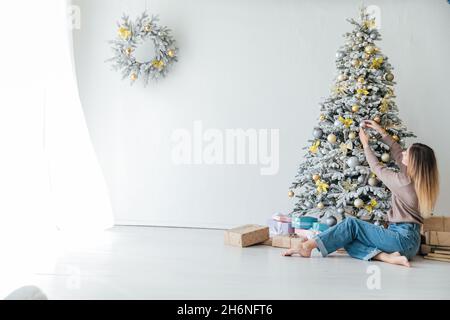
column 130, row 35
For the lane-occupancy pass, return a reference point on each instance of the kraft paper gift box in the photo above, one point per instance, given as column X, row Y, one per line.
column 277, row 228
column 437, row 238
column 441, row 224
column 286, row 241
column 246, row 235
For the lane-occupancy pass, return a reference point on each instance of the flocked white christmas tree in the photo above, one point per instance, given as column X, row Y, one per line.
column 335, row 179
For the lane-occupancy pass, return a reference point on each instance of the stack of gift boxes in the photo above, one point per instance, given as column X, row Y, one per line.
column 436, row 239
column 282, row 231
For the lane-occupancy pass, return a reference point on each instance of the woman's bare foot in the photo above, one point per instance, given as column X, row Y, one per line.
column 397, row 258
column 393, row 258
column 304, row 250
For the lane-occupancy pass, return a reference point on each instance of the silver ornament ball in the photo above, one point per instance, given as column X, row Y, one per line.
column 317, row 133
column 331, row 221
column 352, row 162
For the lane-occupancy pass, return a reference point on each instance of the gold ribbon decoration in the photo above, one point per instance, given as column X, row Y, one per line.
column 322, row 186
column 346, row 122
column 369, row 24
column 384, row 106
column 377, row 62
column 159, row 64
column 345, row 147
column 315, row 146
column 340, row 89
column 361, row 91
column 124, row 33
column 371, row 205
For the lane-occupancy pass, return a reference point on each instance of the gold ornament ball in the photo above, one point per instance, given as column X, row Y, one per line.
column 291, row 193
column 355, row 108
column 389, row 76
column 316, row 177
column 320, row 205
column 395, row 137
column 322, row 117
column 373, row 182
column 331, row 138
column 171, row 53
column 369, row 49
column 385, row 157
column 128, row 51
column 358, row 203
column 356, row 63
column 361, row 80
column 148, row 28
column 133, row 76
column 352, row 135
column 342, row 77
column 377, row 119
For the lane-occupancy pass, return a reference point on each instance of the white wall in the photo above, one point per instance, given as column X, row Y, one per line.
column 244, row 64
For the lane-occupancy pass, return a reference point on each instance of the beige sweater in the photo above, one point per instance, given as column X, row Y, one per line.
column 405, row 205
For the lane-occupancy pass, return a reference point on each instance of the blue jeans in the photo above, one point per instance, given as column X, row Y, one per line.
column 363, row 240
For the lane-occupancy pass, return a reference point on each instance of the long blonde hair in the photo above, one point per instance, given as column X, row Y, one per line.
column 423, row 170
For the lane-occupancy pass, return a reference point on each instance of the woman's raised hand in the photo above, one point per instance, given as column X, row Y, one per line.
column 373, row 125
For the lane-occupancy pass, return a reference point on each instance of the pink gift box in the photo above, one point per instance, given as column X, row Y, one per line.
column 307, row 234
column 281, row 217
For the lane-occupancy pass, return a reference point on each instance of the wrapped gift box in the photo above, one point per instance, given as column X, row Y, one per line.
column 303, row 222
column 286, row 241
column 246, row 235
column 319, row 226
column 277, row 228
column 437, row 238
column 282, row 217
column 441, row 224
column 306, row 234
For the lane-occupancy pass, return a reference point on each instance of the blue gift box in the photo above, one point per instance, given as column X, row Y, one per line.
column 303, row 222
column 319, row 226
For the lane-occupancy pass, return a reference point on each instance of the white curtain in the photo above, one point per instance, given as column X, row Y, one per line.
column 50, row 178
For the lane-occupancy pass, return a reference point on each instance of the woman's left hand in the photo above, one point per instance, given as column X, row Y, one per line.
column 363, row 137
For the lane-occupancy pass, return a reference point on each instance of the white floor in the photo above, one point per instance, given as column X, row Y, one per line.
column 176, row 263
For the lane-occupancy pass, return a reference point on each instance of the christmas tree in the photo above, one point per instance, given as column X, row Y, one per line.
column 334, row 178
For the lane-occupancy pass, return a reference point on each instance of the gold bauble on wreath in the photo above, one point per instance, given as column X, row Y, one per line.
column 291, row 193
column 355, row 108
